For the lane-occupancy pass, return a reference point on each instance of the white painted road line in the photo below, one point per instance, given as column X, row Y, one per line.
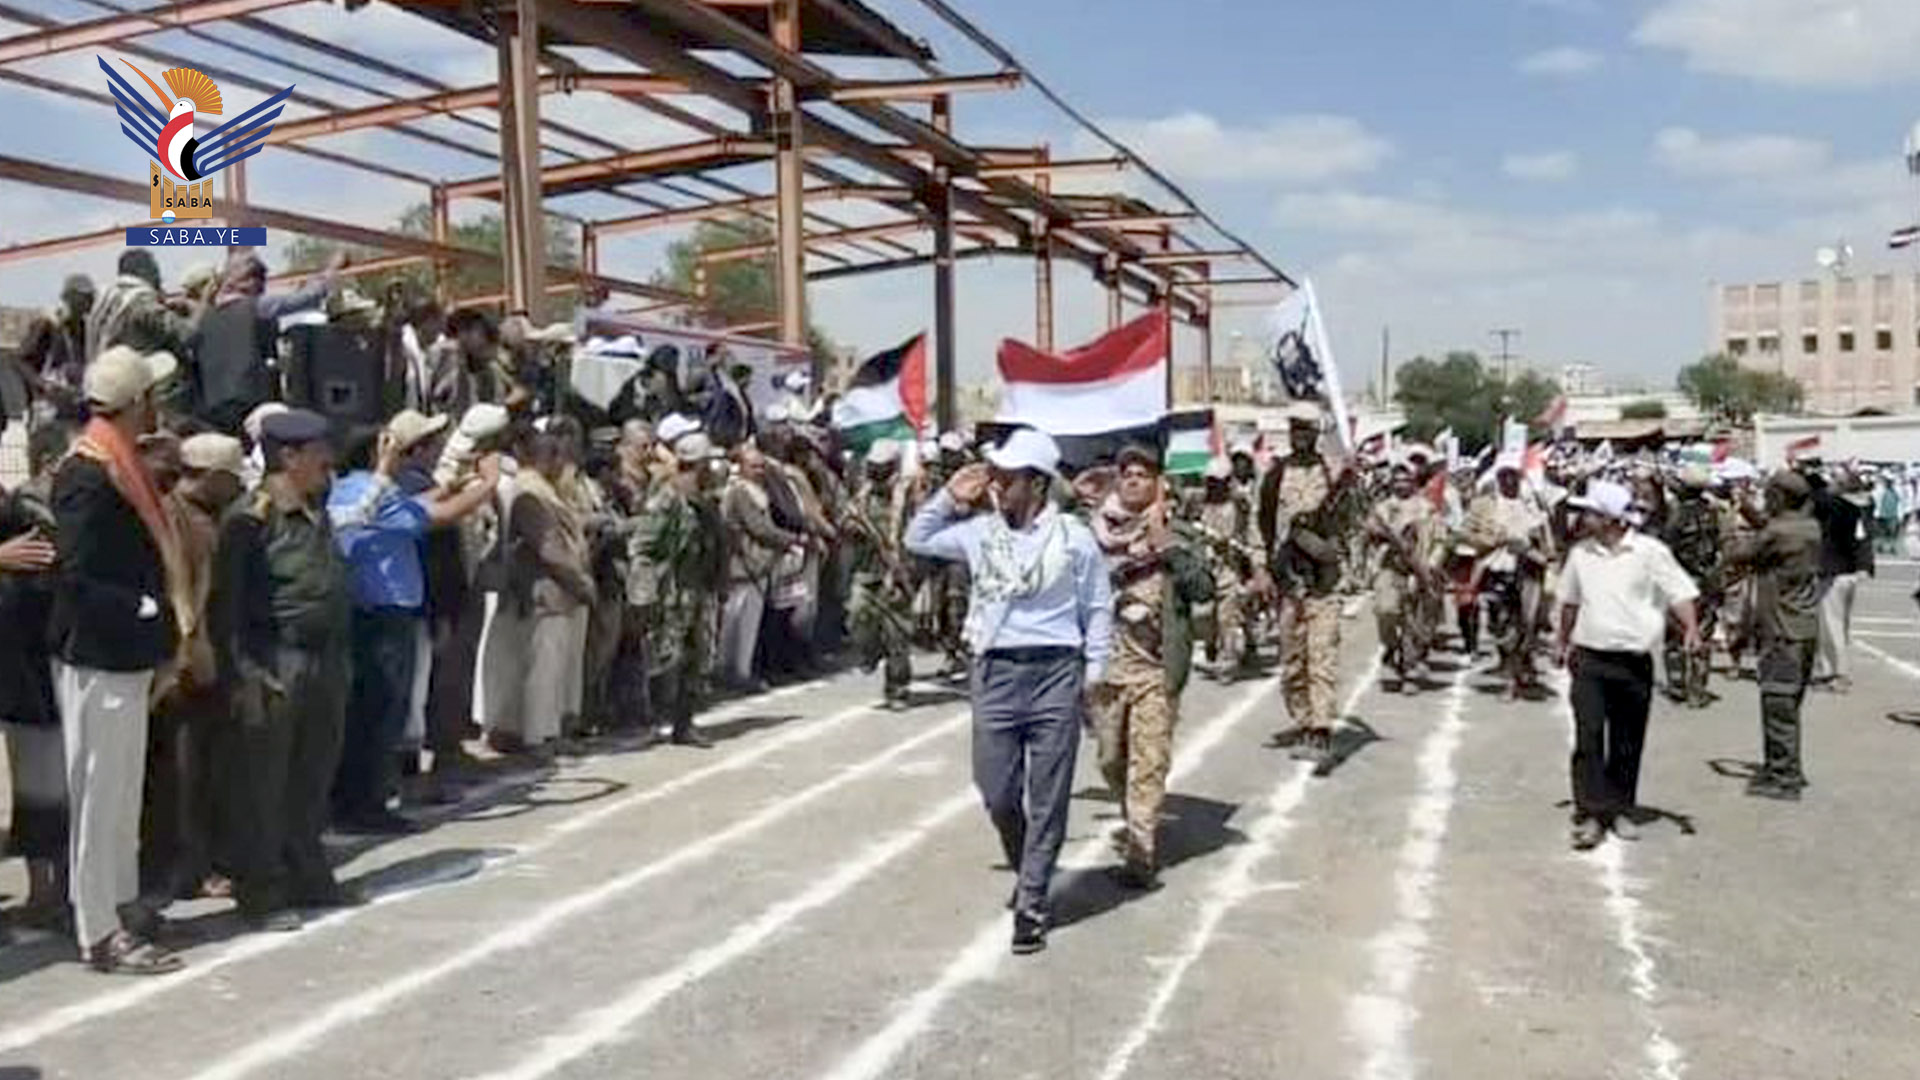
column 375, row 1000
column 1381, row 1017
column 1890, row 635
column 1887, row 658
column 1232, row 885
column 982, row 956
column 1609, row 861
column 200, row 966
column 611, row 1022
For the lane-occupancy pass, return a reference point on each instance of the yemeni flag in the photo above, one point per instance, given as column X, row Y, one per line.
column 1093, row 399
column 1904, row 238
column 887, row 398
column 1801, row 447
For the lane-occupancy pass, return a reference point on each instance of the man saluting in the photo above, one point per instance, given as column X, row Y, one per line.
column 1039, row 627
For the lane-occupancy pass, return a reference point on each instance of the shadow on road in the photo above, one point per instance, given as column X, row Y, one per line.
column 1734, row 768
column 1191, row 827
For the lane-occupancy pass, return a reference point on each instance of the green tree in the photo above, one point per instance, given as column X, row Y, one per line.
column 484, row 233
column 1461, row 393
column 1733, row 394
column 1650, row 409
column 737, row 291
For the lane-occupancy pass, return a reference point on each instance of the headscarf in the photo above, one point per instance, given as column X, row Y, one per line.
column 108, row 446
column 1004, row 577
column 1125, row 535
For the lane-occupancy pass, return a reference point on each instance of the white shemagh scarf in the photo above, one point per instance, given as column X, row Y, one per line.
column 1003, row 577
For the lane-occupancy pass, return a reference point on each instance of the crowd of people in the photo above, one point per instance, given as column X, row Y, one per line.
column 229, row 623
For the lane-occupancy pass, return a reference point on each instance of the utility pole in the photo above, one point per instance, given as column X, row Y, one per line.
column 1506, row 336
column 1386, row 366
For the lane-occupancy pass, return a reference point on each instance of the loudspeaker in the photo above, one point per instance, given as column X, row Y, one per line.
column 338, row 371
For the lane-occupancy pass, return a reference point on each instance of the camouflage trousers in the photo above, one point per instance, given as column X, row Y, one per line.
column 1688, row 669
column 1310, row 659
column 882, row 624
column 1404, row 611
column 1228, row 636
column 1133, row 721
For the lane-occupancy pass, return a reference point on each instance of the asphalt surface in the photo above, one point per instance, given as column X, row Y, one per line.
column 817, row 899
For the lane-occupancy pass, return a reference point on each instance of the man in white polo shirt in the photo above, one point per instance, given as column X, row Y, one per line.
column 1615, row 593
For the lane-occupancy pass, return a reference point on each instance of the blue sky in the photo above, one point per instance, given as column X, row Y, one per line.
column 1581, row 169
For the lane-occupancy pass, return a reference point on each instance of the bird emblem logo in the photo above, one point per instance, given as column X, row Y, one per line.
column 167, row 133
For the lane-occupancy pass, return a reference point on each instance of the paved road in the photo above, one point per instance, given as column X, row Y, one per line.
column 816, row 900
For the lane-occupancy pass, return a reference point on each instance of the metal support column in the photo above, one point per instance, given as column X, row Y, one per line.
column 510, row 217
column 940, row 203
column 1203, row 321
column 590, row 265
column 442, row 229
column 1115, row 311
column 234, row 185
column 526, row 135
column 1166, row 308
column 1043, row 269
column 789, row 181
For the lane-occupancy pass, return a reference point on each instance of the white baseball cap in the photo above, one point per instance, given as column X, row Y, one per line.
column 409, row 427
column 123, row 375
column 1027, row 448
column 1605, row 498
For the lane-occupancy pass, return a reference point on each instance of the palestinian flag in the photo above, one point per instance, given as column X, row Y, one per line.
column 1191, row 442
column 887, row 398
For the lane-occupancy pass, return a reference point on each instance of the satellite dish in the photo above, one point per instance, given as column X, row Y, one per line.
column 1827, row 258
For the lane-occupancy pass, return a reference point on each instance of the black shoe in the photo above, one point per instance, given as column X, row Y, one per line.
column 381, row 822
column 692, row 737
column 1136, row 876
column 1029, row 934
column 1768, row 787
column 284, row 921
column 1588, row 833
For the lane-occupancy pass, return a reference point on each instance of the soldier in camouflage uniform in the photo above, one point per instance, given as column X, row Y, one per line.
column 881, row 609
column 1303, row 506
column 666, row 557
column 1225, row 519
column 1403, row 528
column 1157, row 580
column 1693, row 532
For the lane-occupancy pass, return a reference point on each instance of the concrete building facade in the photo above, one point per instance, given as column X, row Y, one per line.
column 1852, row 341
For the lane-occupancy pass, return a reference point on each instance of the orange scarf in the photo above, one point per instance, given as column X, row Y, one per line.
column 103, row 443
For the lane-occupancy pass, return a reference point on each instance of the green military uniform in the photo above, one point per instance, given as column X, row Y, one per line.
column 283, row 609
column 1784, row 557
column 881, row 609
column 1693, row 534
column 663, row 549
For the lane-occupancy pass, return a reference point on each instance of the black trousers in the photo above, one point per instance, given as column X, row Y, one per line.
column 1612, row 692
column 376, row 718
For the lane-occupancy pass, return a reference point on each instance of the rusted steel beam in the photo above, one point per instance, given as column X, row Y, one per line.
column 766, row 248
column 923, row 89
column 717, row 211
column 183, row 13
column 635, row 163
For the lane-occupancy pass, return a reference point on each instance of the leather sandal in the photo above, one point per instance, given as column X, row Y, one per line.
column 124, row 954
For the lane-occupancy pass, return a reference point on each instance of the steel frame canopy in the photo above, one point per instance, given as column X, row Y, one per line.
column 968, row 201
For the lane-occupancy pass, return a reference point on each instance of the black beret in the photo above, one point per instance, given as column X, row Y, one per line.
column 295, row 427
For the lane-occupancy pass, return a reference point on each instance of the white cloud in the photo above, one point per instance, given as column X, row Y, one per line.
column 1826, row 43
column 1564, row 62
column 1687, row 152
column 1551, row 165
column 1305, row 148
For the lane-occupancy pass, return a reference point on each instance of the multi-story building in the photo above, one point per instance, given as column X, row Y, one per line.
column 1852, row 342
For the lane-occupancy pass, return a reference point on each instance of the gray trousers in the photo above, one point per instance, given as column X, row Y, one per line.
column 740, row 630
column 1026, row 736
column 104, row 718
